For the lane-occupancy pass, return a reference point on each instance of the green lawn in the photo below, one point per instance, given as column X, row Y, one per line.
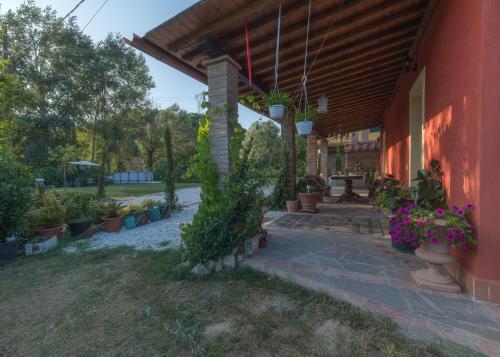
column 126, row 303
column 128, row 190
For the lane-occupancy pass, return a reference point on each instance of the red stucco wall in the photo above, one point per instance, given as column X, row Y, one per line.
column 460, row 51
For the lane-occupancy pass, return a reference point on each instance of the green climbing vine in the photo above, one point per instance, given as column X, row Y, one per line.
column 226, row 217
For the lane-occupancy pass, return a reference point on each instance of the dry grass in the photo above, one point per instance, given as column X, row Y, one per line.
column 120, row 302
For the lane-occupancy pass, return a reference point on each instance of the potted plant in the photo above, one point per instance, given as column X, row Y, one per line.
column 80, row 209
column 431, row 233
column 292, row 206
column 309, row 199
column 113, row 218
column 277, row 101
column 304, row 120
column 48, row 218
column 134, row 215
column 16, row 198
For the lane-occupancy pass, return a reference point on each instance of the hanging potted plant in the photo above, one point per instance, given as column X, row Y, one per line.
column 277, row 101
column 113, row 218
column 304, row 120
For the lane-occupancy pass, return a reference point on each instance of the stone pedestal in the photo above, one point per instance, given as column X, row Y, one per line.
column 436, row 276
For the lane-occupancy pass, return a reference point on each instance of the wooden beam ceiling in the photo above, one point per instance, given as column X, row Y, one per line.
column 358, row 67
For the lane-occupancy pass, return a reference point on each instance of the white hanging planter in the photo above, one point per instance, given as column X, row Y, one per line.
column 304, row 127
column 277, row 111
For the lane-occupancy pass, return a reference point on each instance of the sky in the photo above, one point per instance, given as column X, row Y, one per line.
column 131, row 16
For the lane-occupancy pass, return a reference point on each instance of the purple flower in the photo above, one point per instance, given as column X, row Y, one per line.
column 407, row 239
column 451, row 238
column 460, row 212
column 421, row 223
column 428, row 233
column 414, row 235
column 417, row 245
column 434, row 240
column 439, row 212
column 454, row 208
column 407, row 219
column 396, row 239
column 469, row 206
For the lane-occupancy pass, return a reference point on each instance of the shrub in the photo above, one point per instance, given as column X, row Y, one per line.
column 80, row 206
column 277, row 97
column 16, row 195
column 49, row 214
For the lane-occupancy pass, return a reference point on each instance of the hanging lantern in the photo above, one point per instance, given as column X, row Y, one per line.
column 323, row 104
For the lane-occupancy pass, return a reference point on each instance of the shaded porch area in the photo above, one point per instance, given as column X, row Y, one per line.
column 343, row 251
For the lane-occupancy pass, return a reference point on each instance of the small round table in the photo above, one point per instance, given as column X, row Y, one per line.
column 349, row 195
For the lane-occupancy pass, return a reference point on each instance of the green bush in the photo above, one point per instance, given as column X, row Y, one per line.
column 49, row 214
column 80, row 206
column 224, row 218
column 16, row 195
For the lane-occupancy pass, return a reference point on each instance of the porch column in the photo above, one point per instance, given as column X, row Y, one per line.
column 288, row 136
column 222, row 75
column 312, row 155
column 323, row 151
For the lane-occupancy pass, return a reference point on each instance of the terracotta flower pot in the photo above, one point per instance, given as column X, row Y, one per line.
column 50, row 232
column 113, row 224
column 308, row 201
column 436, row 276
column 292, row 206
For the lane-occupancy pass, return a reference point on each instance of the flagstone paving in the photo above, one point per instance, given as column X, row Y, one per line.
column 365, row 270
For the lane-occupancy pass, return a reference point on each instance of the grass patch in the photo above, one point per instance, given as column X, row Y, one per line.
column 121, row 191
column 124, row 302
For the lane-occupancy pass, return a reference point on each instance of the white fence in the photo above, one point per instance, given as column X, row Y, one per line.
column 132, row 177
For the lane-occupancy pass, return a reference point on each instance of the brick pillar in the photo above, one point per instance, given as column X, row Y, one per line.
column 324, row 159
column 312, row 155
column 288, row 136
column 222, row 90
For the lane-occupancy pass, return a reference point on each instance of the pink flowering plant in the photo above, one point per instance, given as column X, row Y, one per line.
column 415, row 225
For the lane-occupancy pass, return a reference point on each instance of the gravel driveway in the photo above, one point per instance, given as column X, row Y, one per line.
column 157, row 235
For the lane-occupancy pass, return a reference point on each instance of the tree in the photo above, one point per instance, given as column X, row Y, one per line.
column 265, row 151
column 169, row 174
column 150, row 141
column 48, row 57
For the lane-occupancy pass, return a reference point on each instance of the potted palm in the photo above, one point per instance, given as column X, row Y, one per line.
column 79, row 212
column 277, row 101
column 304, row 120
column 113, row 218
column 48, row 218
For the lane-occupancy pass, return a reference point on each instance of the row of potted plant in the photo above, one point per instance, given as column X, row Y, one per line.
column 278, row 101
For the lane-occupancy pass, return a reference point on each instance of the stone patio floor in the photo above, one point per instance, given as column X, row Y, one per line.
column 343, row 251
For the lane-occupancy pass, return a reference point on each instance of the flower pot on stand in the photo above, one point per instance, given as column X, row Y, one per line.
column 292, row 206
column 436, row 276
column 113, row 224
column 304, row 127
column 276, row 111
column 49, row 232
column 308, row 202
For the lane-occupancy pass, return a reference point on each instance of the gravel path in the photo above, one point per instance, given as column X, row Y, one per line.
column 156, row 236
